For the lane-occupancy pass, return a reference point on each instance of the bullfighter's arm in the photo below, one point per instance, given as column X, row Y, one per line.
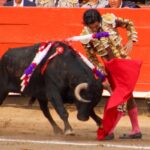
column 129, row 25
column 89, row 49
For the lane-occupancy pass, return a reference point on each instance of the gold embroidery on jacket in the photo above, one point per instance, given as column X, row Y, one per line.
column 109, row 24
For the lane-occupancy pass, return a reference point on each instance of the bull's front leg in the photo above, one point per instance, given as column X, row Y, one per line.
column 44, row 107
column 57, row 102
column 96, row 118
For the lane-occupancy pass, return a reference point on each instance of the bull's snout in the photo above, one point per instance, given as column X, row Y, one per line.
column 82, row 117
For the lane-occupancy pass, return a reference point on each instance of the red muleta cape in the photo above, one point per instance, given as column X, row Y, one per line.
column 122, row 75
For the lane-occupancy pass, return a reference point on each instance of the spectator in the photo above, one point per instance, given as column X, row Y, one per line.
column 67, row 3
column 95, row 4
column 121, row 4
column 19, row 3
column 45, row 3
column 2, row 2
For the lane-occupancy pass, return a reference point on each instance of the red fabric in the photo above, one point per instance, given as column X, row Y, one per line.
column 119, row 116
column 42, row 46
column 45, row 66
column 122, row 75
column 59, row 51
column 35, row 65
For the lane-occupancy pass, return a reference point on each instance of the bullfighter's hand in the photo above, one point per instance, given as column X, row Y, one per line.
column 107, row 86
column 102, row 69
column 128, row 47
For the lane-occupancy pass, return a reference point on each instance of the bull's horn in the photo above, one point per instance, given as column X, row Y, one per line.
column 77, row 91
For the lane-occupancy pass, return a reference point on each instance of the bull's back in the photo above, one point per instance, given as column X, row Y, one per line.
column 18, row 54
column 16, row 60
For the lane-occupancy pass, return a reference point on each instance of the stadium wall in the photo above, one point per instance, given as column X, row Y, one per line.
column 26, row 26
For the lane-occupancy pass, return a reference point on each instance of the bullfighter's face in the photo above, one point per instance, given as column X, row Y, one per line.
column 95, row 27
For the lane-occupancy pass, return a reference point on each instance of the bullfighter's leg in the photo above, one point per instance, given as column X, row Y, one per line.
column 133, row 115
column 57, row 102
column 44, row 107
column 96, row 118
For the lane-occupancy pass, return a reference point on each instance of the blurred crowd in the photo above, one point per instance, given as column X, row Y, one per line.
column 73, row 3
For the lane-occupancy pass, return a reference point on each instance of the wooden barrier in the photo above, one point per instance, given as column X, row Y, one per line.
column 25, row 26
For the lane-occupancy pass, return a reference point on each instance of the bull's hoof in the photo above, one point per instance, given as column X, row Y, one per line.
column 69, row 132
column 58, row 131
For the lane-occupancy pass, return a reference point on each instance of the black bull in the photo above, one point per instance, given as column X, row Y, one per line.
column 66, row 80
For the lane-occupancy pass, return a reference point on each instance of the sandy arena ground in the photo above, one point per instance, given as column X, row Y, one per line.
column 23, row 123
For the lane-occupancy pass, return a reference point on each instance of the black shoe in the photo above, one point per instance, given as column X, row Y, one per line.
column 131, row 136
column 110, row 137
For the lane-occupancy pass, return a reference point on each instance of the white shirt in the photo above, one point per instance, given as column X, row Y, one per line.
column 101, row 4
column 68, row 3
column 20, row 5
column 120, row 5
